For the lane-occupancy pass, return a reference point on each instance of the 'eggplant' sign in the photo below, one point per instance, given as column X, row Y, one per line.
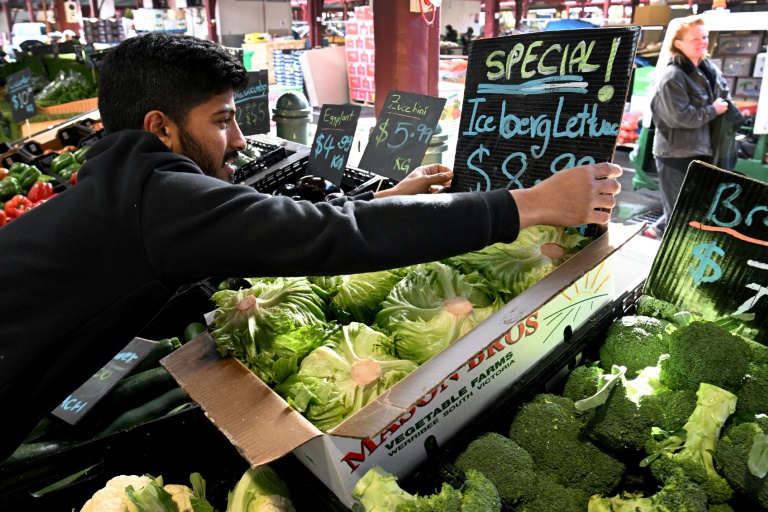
column 538, row 103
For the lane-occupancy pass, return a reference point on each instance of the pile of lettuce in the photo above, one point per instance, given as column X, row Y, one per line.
column 331, row 344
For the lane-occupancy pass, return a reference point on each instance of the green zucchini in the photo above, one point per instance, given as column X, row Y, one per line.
column 32, row 451
column 147, row 412
column 138, row 389
column 159, row 351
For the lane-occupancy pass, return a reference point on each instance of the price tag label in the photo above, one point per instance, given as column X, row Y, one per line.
column 80, row 401
column 538, row 103
column 333, row 141
column 253, row 104
column 402, row 134
column 21, row 95
column 713, row 259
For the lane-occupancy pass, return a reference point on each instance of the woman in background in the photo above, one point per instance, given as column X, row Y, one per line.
column 690, row 94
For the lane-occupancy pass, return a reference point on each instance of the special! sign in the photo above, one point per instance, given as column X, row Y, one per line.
column 538, row 103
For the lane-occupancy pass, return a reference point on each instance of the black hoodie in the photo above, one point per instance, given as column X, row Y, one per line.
column 82, row 274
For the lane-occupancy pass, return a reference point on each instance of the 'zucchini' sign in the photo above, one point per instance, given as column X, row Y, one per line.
column 538, row 103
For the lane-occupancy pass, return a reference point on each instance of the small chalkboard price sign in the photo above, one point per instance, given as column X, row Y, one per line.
column 21, row 95
column 333, row 141
column 402, row 134
column 538, row 103
column 713, row 260
column 252, row 104
column 80, row 401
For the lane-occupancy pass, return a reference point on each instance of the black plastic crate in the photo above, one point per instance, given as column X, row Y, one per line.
column 354, row 181
column 269, row 157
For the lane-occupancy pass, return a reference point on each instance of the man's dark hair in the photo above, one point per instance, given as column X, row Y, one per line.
column 165, row 72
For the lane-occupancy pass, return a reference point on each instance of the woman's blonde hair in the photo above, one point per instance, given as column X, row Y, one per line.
column 682, row 29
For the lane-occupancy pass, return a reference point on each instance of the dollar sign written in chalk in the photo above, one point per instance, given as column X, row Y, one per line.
column 701, row 272
column 15, row 101
column 382, row 136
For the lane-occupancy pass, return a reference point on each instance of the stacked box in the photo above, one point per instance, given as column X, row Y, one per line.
column 103, row 30
column 262, row 56
column 287, row 67
column 360, row 53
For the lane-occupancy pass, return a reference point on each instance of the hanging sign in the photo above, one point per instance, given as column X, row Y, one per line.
column 21, row 95
column 80, row 401
column 402, row 134
column 253, row 104
column 333, row 141
column 713, row 260
column 538, row 103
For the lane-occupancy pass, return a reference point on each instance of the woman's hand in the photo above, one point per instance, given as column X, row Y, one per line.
column 720, row 105
column 427, row 178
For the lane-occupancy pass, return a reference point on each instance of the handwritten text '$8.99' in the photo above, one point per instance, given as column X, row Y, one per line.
column 402, row 131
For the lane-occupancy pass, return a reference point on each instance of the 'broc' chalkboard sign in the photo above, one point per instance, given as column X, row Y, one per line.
column 333, row 141
column 253, row 104
column 402, row 134
column 538, row 103
column 21, row 95
column 713, row 260
column 80, row 401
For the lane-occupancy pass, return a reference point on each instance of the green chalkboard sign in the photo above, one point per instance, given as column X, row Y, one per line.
column 402, row 134
column 253, row 104
column 333, row 141
column 713, row 259
column 538, row 103
column 80, row 401
column 21, row 95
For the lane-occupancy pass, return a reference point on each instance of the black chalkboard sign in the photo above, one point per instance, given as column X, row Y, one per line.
column 538, row 103
column 333, row 141
column 79, row 402
column 253, row 104
column 21, row 95
column 713, row 259
column 402, row 134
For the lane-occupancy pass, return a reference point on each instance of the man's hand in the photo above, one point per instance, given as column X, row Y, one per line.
column 580, row 195
column 427, row 178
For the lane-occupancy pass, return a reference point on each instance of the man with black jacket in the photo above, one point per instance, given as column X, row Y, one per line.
column 154, row 209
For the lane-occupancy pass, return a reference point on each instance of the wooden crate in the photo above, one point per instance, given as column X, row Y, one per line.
column 74, row 107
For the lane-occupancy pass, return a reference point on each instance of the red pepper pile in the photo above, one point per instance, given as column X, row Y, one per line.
column 19, row 204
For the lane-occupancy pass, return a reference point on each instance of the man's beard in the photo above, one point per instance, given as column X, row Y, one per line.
column 195, row 152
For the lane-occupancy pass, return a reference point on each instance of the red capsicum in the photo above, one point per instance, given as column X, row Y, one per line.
column 40, row 190
column 17, row 205
column 3, row 218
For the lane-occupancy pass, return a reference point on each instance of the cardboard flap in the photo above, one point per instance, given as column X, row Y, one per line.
column 398, row 400
column 261, row 425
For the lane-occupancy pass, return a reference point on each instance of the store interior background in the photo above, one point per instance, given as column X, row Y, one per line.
column 259, row 27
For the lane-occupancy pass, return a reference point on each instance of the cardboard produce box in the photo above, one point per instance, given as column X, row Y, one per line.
column 437, row 399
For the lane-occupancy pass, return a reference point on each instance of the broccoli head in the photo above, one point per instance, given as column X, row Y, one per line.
column 733, row 454
column 582, row 382
column 689, row 452
column 753, row 394
column 549, row 494
column 479, row 494
column 649, row 306
column 677, row 495
column 758, row 352
column 378, row 491
column 705, row 352
column 503, row 462
column 548, row 429
column 678, row 407
column 634, row 342
column 624, row 425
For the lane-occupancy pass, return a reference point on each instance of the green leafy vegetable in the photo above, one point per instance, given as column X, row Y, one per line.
column 260, row 489
column 248, row 321
column 512, row 268
column 433, row 306
column 338, row 379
